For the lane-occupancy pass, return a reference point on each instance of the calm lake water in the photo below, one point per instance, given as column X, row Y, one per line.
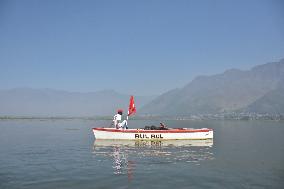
column 63, row 154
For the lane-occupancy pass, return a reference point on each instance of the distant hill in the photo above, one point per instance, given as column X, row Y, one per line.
column 48, row 102
column 259, row 90
column 272, row 102
column 256, row 90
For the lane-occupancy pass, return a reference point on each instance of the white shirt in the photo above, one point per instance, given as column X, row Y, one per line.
column 116, row 119
column 117, row 122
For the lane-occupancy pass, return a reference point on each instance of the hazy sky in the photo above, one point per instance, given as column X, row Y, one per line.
column 133, row 47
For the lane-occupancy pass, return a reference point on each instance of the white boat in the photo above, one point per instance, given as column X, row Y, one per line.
column 142, row 134
column 161, row 133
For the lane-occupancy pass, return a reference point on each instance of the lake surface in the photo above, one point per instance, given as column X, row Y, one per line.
column 63, row 154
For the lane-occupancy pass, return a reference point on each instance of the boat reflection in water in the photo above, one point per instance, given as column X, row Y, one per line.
column 127, row 154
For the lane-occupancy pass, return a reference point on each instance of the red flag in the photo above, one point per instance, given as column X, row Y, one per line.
column 132, row 108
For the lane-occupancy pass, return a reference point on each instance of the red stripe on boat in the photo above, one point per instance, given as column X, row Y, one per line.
column 153, row 131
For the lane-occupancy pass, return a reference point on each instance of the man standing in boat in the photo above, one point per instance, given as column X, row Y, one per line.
column 117, row 120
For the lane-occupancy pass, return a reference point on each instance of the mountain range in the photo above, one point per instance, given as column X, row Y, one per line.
column 258, row 90
column 49, row 102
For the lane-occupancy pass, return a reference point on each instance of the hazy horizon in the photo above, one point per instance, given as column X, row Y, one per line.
column 123, row 93
column 141, row 48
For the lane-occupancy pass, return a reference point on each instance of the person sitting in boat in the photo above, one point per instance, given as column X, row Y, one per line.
column 163, row 126
column 117, row 120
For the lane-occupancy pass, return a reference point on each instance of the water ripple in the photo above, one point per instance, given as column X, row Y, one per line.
column 126, row 155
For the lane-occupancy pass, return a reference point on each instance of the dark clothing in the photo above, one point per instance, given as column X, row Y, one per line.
column 153, row 127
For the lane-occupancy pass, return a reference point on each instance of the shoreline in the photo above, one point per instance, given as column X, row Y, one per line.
column 205, row 117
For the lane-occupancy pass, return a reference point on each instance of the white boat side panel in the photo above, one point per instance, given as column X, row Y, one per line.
column 152, row 136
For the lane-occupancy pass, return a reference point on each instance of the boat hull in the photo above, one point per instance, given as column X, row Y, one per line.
column 141, row 134
column 152, row 143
